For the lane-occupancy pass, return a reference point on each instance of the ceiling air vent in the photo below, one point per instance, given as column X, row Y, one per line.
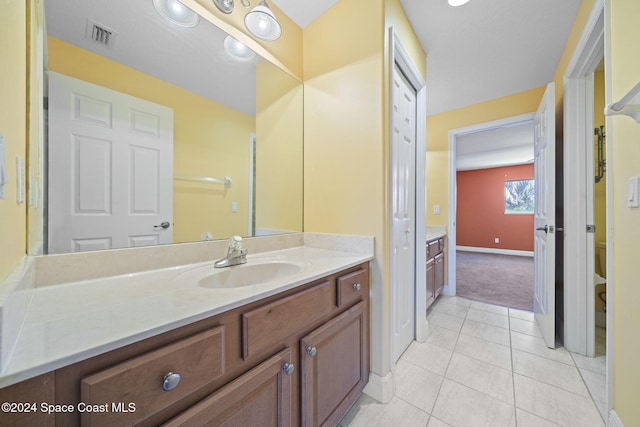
column 100, row 34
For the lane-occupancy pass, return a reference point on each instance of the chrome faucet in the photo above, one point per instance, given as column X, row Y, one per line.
column 235, row 254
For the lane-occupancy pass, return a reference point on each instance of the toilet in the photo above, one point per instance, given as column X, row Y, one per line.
column 602, row 253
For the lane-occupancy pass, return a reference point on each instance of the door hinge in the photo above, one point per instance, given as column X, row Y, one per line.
column 591, row 228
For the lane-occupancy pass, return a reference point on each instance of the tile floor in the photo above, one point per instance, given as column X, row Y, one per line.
column 486, row 365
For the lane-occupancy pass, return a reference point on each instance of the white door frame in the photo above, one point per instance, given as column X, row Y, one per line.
column 399, row 56
column 450, row 287
column 579, row 292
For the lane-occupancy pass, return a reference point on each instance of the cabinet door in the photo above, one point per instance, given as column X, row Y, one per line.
column 439, row 274
column 259, row 398
column 334, row 366
column 431, row 281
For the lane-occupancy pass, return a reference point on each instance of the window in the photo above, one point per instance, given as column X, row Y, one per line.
column 519, row 196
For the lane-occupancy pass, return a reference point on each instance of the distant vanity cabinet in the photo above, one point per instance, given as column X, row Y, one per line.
column 435, row 269
column 298, row 358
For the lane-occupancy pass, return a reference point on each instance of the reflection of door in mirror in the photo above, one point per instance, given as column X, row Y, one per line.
column 111, row 168
column 218, row 102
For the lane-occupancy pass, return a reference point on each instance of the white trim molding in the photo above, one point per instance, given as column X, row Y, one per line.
column 494, row 251
column 614, row 420
column 380, row 388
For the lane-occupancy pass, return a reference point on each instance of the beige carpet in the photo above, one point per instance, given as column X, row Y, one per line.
column 498, row 279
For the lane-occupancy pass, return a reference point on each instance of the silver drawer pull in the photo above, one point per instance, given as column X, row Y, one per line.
column 357, row 286
column 312, row 351
column 170, row 381
column 288, row 368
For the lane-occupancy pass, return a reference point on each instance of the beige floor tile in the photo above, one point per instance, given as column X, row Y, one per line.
column 486, row 351
column 597, row 385
column 521, row 314
column 549, row 371
column 555, row 404
column 442, row 337
column 444, row 320
column 537, row 346
column 452, row 309
column 525, row 327
column 459, row 406
column 482, row 377
column 444, row 299
column 489, row 318
column 416, row 385
column 526, row 419
column 602, row 408
column 486, row 332
column 366, row 412
column 594, row 364
column 434, row 422
column 491, row 308
column 428, row 356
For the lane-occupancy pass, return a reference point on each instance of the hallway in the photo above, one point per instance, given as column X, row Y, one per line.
column 486, row 365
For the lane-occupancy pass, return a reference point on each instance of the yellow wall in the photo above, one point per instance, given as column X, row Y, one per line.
column 622, row 73
column 438, row 127
column 346, row 125
column 209, row 140
column 13, row 126
column 279, row 104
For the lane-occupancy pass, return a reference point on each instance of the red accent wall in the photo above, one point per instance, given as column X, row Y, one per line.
column 480, row 214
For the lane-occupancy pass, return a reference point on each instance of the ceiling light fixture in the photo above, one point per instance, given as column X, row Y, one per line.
column 238, row 50
column 176, row 12
column 225, row 6
column 262, row 23
column 457, row 2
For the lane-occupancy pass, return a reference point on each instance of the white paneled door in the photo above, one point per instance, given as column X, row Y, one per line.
column 403, row 193
column 544, row 217
column 110, row 172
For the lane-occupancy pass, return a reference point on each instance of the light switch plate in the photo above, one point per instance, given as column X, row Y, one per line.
column 436, row 209
column 633, row 192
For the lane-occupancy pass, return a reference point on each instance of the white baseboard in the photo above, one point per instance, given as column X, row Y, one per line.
column 494, row 251
column 380, row 388
column 614, row 420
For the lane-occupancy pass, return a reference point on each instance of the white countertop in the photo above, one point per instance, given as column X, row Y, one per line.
column 70, row 322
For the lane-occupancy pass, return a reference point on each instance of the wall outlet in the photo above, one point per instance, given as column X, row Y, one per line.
column 234, row 207
column 206, row 236
column 497, row 240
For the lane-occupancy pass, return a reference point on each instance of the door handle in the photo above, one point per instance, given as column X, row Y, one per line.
column 545, row 229
column 163, row 225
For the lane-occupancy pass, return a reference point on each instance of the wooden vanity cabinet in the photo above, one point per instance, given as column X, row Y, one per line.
column 333, row 366
column 245, row 367
column 435, row 269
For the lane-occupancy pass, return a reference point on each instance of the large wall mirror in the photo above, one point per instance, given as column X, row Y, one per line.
column 158, row 134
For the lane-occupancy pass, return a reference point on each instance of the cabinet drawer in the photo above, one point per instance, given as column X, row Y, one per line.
column 264, row 327
column 198, row 359
column 433, row 249
column 352, row 286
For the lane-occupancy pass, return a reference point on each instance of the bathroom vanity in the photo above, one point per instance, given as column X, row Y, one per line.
column 287, row 352
column 435, row 268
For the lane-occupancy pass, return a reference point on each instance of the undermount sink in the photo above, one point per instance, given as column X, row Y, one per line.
column 250, row 274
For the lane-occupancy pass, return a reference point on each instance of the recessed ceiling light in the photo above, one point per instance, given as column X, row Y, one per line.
column 176, row 12
column 457, row 2
column 238, row 50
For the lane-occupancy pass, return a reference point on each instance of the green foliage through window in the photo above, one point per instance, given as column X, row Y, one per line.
column 519, row 196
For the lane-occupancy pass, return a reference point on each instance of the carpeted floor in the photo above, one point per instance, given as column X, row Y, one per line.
column 499, row 279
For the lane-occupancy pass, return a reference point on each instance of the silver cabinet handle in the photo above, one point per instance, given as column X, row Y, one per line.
column 357, row 286
column 170, row 381
column 312, row 351
column 288, row 368
column 163, row 225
